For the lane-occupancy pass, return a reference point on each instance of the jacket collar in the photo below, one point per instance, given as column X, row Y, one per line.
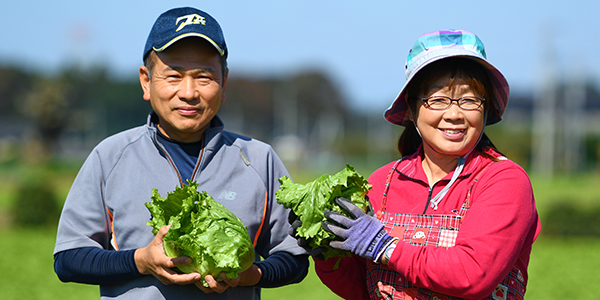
column 215, row 127
column 411, row 165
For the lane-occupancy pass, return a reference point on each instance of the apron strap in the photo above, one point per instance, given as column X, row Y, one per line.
column 387, row 188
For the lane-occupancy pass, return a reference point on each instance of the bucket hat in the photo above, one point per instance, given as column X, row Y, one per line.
column 438, row 45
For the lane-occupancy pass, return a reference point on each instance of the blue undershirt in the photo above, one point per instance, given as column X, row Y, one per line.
column 94, row 265
column 184, row 155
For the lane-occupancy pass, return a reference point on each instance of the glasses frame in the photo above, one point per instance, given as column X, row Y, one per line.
column 425, row 100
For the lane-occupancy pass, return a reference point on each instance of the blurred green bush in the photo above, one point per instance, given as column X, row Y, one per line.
column 35, row 204
column 567, row 218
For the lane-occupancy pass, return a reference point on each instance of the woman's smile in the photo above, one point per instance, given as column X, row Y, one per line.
column 453, row 133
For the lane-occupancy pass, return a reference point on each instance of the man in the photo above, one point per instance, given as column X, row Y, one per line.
column 102, row 235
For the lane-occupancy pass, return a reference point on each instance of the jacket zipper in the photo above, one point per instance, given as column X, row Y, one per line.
column 429, row 197
column 171, row 162
column 161, row 148
column 430, row 190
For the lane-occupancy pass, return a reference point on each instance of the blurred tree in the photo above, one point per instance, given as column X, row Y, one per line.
column 303, row 115
column 13, row 82
column 47, row 106
column 71, row 111
column 106, row 105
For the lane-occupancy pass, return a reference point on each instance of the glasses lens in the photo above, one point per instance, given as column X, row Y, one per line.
column 442, row 102
column 438, row 102
column 469, row 103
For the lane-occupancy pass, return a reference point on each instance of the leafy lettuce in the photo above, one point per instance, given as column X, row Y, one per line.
column 309, row 201
column 202, row 229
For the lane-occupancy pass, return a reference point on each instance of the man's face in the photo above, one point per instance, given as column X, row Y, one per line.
column 185, row 89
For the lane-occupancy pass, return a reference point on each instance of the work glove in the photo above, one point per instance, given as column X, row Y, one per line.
column 303, row 242
column 361, row 233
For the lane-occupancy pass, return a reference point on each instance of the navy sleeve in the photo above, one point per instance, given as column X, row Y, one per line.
column 93, row 265
column 282, row 268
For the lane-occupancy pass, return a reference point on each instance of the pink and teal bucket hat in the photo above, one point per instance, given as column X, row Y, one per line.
column 438, row 45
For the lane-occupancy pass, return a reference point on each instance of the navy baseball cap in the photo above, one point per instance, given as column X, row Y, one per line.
column 178, row 23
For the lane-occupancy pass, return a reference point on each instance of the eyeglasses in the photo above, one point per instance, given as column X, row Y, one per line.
column 443, row 102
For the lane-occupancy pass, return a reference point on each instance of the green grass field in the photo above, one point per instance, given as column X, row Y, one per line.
column 27, row 266
column 561, row 267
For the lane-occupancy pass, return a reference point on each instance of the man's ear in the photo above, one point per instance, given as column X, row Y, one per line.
column 145, row 82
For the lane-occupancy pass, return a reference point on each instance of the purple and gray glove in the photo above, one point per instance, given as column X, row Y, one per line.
column 361, row 234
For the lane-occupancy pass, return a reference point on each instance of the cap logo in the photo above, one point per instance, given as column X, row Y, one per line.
column 189, row 20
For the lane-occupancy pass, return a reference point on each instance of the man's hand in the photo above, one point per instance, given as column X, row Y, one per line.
column 247, row 278
column 151, row 260
column 303, row 242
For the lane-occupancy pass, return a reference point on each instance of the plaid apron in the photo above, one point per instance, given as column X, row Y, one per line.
column 427, row 230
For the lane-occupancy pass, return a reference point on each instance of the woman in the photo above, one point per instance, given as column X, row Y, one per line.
column 454, row 217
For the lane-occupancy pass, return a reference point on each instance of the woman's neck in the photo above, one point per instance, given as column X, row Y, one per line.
column 436, row 166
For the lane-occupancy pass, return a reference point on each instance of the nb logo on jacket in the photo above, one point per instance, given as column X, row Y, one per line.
column 227, row 195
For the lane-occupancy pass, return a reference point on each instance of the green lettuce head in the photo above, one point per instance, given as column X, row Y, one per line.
column 309, row 202
column 202, row 229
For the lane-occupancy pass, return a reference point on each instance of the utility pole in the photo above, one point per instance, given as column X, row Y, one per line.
column 574, row 120
column 286, row 130
column 544, row 109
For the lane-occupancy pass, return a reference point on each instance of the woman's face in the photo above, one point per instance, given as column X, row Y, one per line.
column 454, row 131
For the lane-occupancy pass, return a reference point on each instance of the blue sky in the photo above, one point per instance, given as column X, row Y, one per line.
column 362, row 45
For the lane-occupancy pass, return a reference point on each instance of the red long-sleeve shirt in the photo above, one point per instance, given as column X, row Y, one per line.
column 496, row 234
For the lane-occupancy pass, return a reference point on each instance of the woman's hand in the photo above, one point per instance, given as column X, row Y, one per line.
column 361, row 234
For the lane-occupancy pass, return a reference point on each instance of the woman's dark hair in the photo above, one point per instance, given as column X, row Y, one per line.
column 459, row 68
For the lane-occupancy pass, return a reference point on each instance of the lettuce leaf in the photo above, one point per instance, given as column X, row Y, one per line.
column 202, row 229
column 309, row 202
